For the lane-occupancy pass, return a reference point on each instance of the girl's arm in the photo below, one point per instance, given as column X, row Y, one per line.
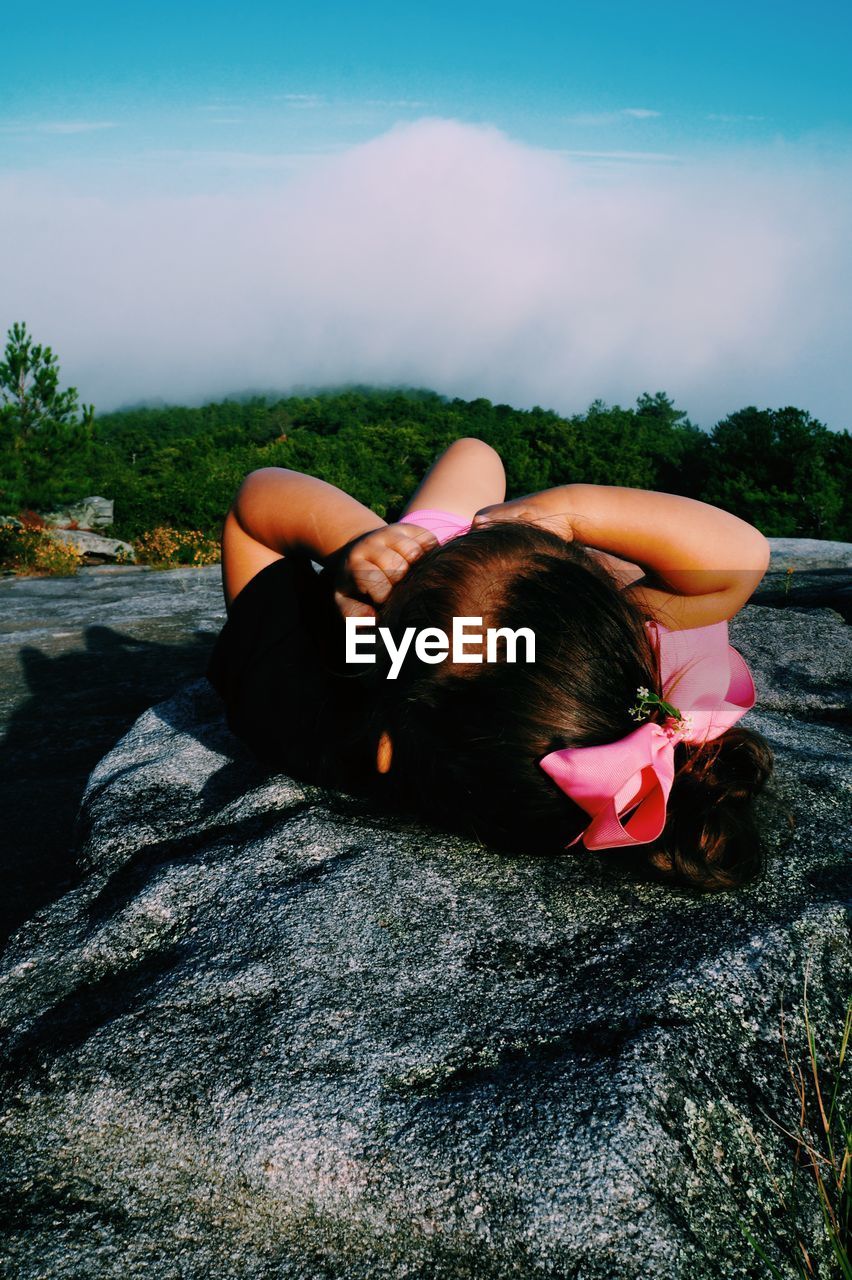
column 701, row 563
column 277, row 511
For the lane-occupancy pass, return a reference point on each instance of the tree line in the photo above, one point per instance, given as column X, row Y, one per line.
column 780, row 469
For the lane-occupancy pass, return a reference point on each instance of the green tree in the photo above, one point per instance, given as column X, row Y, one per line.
column 29, row 385
column 45, row 439
column 781, row 469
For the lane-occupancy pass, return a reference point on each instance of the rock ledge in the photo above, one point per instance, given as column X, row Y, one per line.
column 271, row 1034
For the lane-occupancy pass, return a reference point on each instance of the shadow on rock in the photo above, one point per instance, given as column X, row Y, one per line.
column 78, row 704
column 807, row 589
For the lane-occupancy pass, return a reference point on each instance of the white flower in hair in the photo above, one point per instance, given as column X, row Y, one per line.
column 645, row 707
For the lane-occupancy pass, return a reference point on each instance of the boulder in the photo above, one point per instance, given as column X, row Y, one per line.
column 94, row 545
column 808, row 553
column 89, row 513
column 274, row 1034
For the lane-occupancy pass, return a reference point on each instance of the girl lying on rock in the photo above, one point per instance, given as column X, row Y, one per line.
column 621, row 732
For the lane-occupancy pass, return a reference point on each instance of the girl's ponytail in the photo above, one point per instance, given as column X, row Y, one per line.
column 711, row 840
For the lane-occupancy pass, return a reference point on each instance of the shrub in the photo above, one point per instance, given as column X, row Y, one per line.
column 165, row 547
column 28, row 550
column 32, row 520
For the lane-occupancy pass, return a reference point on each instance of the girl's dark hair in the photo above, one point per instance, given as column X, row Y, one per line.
column 467, row 738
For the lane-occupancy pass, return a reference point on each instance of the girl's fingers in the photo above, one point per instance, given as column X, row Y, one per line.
column 411, row 548
column 485, row 515
column 392, row 562
column 371, row 579
column 424, row 538
column 384, row 558
column 353, row 608
column 376, row 576
column 506, row 511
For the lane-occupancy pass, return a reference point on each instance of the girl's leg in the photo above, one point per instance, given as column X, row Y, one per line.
column 467, row 476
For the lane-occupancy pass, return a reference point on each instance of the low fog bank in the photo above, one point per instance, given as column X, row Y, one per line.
column 447, row 256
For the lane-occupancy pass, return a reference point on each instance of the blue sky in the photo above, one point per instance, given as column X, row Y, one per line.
column 100, row 84
column 125, row 118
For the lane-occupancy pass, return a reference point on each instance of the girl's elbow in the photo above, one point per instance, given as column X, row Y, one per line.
column 265, row 475
column 261, row 490
column 754, row 547
column 473, row 444
column 752, row 558
column 482, row 454
column 762, row 554
column 750, row 575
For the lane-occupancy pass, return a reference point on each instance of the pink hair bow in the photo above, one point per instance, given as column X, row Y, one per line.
column 711, row 686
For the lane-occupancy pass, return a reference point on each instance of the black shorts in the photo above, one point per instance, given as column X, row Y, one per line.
column 278, row 666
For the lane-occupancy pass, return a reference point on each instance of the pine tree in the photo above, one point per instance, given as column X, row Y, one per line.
column 29, row 385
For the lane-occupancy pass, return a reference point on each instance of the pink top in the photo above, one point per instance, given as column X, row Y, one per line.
column 443, row 524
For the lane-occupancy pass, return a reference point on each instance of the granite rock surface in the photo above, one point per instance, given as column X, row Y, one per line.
column 808, row 553
column 271, row 1034
column 808, row 573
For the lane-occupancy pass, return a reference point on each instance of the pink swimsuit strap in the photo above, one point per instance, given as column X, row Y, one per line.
column 443, row 524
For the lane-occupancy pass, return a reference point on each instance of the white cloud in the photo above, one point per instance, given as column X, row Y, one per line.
column 407, row 103
column 729, row 119
column 629, row 157
column 304, row 100
column 206, row 158
column 60, row 126
column 592, row 118
column 447, row 255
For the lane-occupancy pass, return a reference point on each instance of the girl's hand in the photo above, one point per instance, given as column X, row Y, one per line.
column 532, row 509
column 373, row 564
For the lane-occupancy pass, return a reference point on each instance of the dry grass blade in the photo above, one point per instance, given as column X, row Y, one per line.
column 813, row 1061
column 818, row 1146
